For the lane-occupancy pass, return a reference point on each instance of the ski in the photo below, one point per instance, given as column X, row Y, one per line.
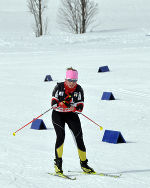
column 99, row 174
column 103, row 174
column 62, row 176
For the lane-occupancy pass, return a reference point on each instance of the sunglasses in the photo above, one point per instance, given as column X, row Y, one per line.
column 70, row 80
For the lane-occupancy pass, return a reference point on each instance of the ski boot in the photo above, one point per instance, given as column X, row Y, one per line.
column 86, row 168
column 58, row 166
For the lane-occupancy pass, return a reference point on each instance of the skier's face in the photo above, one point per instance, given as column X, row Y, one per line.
column 71, row 83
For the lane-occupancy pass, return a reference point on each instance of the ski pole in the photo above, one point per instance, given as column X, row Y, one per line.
column 14, row 133
column 101, row 128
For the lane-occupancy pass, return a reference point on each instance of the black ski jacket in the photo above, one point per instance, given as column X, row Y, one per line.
column 75, row 99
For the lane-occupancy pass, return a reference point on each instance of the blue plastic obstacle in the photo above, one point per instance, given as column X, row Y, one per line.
column 103, row 69
column 48, row 78
column 107, row 96
column 38, row 124
column 113, row 137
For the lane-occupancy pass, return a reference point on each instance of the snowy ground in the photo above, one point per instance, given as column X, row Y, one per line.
column 25, row 61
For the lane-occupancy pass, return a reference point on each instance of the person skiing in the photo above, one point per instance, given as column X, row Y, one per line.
column 67, row 101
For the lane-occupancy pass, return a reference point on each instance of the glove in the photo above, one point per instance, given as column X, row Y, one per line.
column 62, row 105
column 73, row 109
column 67, row 101
column 54, row 106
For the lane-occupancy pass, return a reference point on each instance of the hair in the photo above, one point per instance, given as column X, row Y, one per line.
column 70, row 68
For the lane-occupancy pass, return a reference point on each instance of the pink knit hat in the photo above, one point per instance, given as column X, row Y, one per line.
column 70, row 74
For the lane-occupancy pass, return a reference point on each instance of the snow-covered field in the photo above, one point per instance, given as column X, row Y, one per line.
column 25, row 60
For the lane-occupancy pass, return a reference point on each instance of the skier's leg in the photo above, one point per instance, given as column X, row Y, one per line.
column 75, row 126
column 59, row 126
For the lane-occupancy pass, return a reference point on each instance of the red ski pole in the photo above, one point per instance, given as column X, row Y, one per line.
column 101, row 128
column 14, row 133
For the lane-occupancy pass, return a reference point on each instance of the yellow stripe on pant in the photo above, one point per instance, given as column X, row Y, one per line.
column 82, row 155
column 60, row 151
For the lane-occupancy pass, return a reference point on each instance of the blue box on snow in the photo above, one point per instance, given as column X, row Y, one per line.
column 113, row 137
column 107, row 96
column 103, row 69
column 38, row 124
column 48, row 78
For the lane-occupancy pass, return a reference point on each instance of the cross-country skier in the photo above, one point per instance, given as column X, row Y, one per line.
column 67, row 101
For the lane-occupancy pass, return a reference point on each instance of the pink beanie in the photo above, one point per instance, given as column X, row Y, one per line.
column 70, row 74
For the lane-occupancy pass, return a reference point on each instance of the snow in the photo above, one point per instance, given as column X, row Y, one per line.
column 122, row 42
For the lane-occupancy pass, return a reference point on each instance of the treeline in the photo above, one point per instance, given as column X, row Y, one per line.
column 75, row 16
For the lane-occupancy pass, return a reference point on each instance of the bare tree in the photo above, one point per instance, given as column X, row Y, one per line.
column 37, row 7
column 77, row 15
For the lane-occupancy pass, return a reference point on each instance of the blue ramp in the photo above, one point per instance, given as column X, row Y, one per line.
column 38, row 124
column 48, row 78
column 107, row 96
column 113, row 137
column 103, row 69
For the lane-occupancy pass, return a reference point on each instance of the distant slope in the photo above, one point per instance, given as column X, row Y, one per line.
column 113, row 14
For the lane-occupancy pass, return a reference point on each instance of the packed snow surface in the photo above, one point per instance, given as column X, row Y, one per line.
column 121, row 42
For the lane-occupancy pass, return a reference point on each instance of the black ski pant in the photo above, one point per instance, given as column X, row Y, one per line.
column 72, row 119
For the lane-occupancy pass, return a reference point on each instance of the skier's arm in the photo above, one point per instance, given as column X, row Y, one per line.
column 55, row 100
column 79, row 107
column 80, row 103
